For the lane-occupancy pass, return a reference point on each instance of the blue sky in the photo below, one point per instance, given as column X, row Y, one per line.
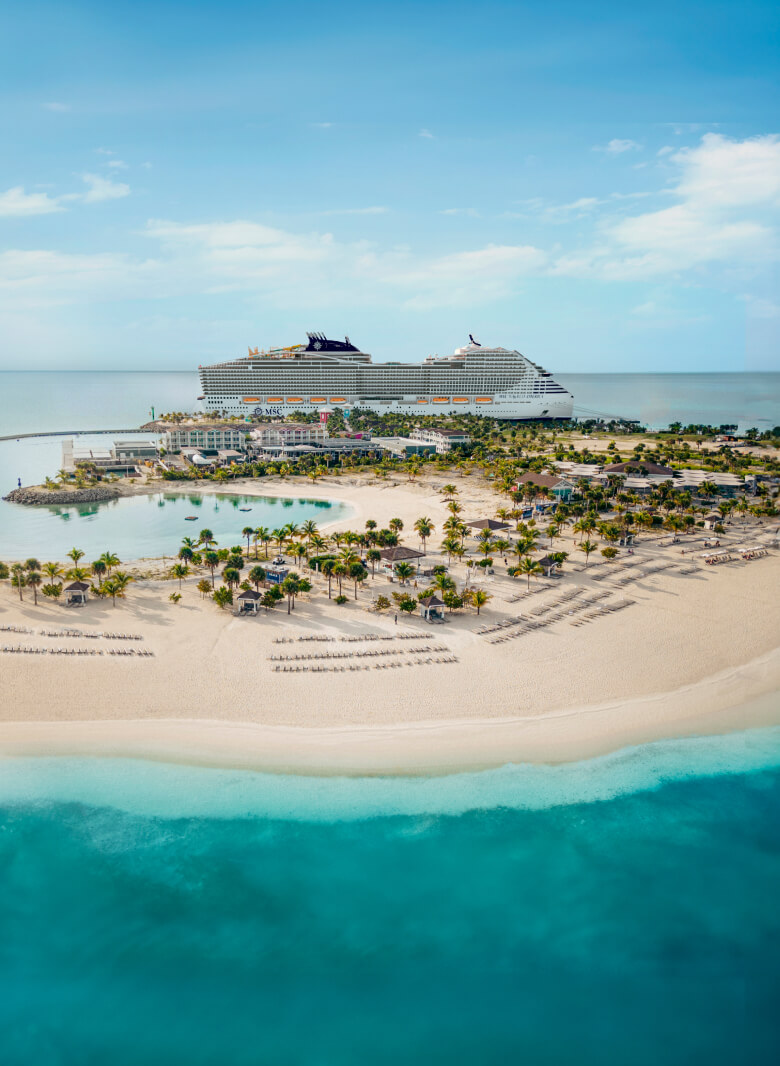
column 597, row 185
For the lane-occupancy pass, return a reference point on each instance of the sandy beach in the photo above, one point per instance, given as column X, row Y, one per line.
column 690, row 653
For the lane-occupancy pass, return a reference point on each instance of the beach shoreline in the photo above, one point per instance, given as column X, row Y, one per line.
column 426, row 748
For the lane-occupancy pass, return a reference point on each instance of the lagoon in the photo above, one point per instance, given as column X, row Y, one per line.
column 133, row 527
column 138, row 527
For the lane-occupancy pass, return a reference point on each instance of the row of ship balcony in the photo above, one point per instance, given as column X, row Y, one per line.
column 344, row 400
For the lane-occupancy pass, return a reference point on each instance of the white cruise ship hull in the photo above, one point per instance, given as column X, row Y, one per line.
column 329, row 375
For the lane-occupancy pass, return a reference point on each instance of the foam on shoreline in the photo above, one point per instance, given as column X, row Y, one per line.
column 153, row 789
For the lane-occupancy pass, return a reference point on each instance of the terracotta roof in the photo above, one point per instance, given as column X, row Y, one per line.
column 399, row 553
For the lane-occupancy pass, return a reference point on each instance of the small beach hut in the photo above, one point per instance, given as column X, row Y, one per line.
column 248, row 602
column 76, row 594
column 432, row 608
column 548, row 565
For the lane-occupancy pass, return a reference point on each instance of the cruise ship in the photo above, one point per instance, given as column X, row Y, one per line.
column 324, row 374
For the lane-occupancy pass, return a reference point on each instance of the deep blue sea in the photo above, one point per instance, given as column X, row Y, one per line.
column 622, row 910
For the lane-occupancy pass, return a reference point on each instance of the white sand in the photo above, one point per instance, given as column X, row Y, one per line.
column 695, row 654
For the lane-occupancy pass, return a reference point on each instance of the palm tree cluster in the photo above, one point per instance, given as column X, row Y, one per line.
column 50, row 577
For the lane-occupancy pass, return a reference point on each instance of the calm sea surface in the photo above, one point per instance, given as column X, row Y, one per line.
column 620, row 911
column 31, row 402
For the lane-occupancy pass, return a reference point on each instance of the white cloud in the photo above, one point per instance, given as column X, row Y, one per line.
column 728, row 193
column 322, row 125
column 468, row 211
column 426, row 134
column 55, row 105
column 666, row 150
column 721, row 172
column 617, row 146
column 117, row 164
column 16, row 203
column 43, row 278
column 101, row 188
column 105, row 151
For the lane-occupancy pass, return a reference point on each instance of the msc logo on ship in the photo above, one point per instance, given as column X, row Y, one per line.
column 274, row 412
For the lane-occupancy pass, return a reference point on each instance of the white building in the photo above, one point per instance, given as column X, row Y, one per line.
column 288, row 433
column 443, row 439
column 207, row 436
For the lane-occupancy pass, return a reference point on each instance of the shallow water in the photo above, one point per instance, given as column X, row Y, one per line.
column 144, row 526
column 617, row 911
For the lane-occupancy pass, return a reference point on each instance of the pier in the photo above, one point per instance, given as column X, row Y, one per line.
column 67, row 433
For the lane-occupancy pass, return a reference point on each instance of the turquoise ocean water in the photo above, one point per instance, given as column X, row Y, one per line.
column 622, row 910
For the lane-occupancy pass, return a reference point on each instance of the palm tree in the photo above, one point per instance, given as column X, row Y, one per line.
column 110, row 560
column 34, row 579
column 179, row 570
column 529, row 568
column 374, row 556
column 77, row 573
column 280, row 536
column 424, row 527
column 587, row 546
column 256, row 575
column 18, row 579
column 32, row 564
column 206, row 537
column 265, row 536
column 298, row 552
column 403, row 572
column 358, row 573
column 479, row 598
column 290, row 587
column 328, row 567
column 249, row 532
column 75, row 554
column 448, row 491
column 340, row 571
column 309, row 529
column 52, row 571
column 502, row 546
column 211, row 560
column 396, row 525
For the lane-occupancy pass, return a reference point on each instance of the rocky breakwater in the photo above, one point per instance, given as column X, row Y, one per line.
column 63, row 497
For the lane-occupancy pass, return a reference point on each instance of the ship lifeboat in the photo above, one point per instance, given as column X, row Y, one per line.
column 338, row 399
column 484, row 399
column 275, row 399
column 441, row 399
column 252, row 399
column 422, row 401
column 318, row 399
column 295, row 399
column 460, row 399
